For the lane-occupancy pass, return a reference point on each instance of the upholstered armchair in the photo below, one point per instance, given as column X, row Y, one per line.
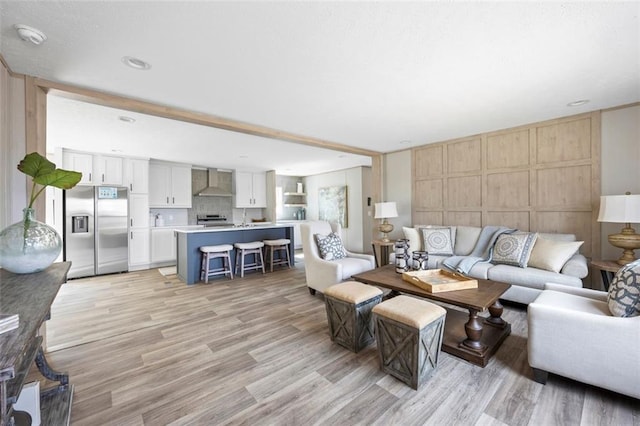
column 573, row 334
column 322, row 273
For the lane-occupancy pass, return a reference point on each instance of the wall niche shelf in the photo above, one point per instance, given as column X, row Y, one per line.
column 295, row 199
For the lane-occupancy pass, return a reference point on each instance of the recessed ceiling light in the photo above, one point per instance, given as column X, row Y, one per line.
column 116, row 150
column 126, row 119
column 405, row 142
column 30, row 34
column 244, row 156
column 136, row 63
column 578, row 103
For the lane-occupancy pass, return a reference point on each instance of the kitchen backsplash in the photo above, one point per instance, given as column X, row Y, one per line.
column 210, row 205
column 171, row 217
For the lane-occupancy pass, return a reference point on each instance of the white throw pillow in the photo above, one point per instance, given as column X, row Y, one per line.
column 413, row 235
column 437, row 241
column 514, row 249
column 552, row 255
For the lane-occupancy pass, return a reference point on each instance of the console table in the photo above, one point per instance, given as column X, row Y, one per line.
column 30, row 296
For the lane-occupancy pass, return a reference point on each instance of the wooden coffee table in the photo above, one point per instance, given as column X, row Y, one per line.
column 469, row 336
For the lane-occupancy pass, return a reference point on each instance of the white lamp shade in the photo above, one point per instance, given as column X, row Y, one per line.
column 619, row 209
column 385, row 210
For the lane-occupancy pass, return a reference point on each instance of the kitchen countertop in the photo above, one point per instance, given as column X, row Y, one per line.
column 234, row 228
column 178, row 227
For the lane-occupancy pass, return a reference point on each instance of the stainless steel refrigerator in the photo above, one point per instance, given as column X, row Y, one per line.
column 95, row 230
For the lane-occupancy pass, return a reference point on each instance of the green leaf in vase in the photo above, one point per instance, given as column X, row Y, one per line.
column 35, row 165
column 60, row 178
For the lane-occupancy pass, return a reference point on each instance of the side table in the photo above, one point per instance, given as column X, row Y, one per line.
column 382, row 247
column 607, row 269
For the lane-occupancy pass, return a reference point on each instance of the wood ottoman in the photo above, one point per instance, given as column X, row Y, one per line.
column 409, row 333
column 349, row 307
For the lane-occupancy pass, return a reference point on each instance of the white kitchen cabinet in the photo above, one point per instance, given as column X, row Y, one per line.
column 138, row 248
column 163, row 246
column 181, row 187
column 138, row 210
column 96, row 169
column 79, row 162
column 107, row 170
column 169, row 185
column 251, row 190
column 137, row 175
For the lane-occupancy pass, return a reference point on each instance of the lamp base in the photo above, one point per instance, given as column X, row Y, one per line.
column 385, row 227
column 627, row 240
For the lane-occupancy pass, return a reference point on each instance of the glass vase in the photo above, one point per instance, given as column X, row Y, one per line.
column 29, row 245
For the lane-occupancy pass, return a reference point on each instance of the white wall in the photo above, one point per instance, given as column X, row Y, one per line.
column 397, row 187
column 353, row 236
column 620, row 165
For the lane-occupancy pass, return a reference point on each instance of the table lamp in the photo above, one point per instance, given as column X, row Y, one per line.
column 622, row 209
column 384, row 211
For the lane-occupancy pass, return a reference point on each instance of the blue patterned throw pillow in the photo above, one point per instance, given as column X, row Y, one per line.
column 330, row 246
column 624, row 292
column 514, row 249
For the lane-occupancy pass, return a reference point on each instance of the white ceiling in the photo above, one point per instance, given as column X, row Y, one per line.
column 382, row 76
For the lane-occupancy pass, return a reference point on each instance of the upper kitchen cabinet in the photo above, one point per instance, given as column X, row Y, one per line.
column 96, row 169
column 79, row 162
column 251, row 190
column 136, row 172
column 108, row 170
column 169, row 185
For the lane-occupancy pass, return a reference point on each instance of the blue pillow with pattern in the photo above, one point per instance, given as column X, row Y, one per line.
column 330, row 246
column 624, row 293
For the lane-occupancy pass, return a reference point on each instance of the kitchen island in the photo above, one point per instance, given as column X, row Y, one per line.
column 189, row 242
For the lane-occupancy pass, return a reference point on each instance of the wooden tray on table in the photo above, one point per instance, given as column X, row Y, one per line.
column 439, row 280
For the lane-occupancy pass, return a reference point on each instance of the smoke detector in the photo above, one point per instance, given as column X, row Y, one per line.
column 30, row 34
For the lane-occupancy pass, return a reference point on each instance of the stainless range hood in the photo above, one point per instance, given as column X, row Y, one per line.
column 214, row 187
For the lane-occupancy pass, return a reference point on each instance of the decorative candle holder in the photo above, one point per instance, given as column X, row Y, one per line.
column 420, row 260
column 401, row 248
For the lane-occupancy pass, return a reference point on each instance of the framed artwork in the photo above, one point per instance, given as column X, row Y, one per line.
column 332, row 205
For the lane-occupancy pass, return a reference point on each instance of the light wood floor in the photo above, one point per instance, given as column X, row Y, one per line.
column 141, row 348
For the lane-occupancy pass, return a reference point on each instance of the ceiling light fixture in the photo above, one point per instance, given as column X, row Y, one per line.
column 578, row 103
column 405, row 142
column 135, row 63
column 126, row 119
column 30, row 34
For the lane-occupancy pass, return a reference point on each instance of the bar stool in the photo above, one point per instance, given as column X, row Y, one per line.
column 246, row 249
column 210, row 253
column 271, row 246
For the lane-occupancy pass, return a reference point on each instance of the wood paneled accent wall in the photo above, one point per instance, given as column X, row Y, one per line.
column 541, row 177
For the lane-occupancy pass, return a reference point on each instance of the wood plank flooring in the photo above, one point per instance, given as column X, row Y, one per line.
column 144, row 349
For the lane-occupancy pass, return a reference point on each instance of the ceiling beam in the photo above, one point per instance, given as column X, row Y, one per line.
column 143, row 107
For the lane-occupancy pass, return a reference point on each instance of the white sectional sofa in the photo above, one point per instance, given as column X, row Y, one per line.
column 526, row 282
